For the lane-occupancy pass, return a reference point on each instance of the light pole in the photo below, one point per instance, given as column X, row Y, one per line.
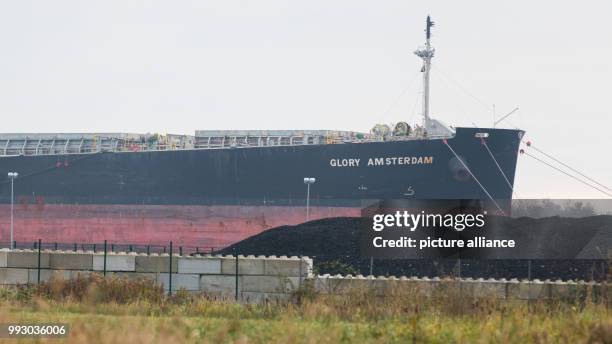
column 12, row 176
column 308, row 181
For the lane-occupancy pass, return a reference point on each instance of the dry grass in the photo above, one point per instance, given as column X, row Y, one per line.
column 136, row 311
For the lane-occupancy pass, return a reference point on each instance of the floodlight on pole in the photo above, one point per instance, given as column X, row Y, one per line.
column 308, row 181
column 12, row 176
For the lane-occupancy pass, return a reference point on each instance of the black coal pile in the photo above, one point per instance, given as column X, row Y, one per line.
column 333, row 236
column 333, row 243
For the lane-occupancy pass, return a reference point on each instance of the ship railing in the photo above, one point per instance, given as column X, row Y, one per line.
column 221, row 142
column 81, row 146
column 64, row 146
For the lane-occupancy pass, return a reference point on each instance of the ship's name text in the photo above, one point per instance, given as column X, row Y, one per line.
column 396, row 160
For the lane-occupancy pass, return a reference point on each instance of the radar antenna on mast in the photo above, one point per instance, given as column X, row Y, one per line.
column 426, row 53
column 432, row 128
column 430, row 24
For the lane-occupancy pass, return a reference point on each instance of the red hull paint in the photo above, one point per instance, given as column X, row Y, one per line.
column 203, row 226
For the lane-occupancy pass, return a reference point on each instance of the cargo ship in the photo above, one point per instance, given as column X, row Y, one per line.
column 217, row 187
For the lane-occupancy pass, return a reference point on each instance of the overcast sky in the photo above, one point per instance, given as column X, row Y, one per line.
column 178, row 66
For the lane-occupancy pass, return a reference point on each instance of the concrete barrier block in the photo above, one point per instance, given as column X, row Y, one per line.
column 80, row 274
column 336, row 285
column 48, row 275
column 155, row 263
column 539, row 291
column 346, row 284
column 490, row 289
column 320, row 283
column 189, row 282
column 33, row 275
column 582, row 289
column 136, row 275
column 423, row 287
column 220, row 285
column 268, row 284
column 436, row 287
column 13, row 276
column 362, row 284
column 528, row 290
column 70, row 261
column 246, row 266
column 394, row 286
column 262, row 298
column 199, row 265
column 114, row 262
column 23, row 259
column 467, row 288
column 517, row 290
column 59, row 275
column 308, row 265
column 288, row 267
column 227, row 264
column 564, row 290
column 3, row 258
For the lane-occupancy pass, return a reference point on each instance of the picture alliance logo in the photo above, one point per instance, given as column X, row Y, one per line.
column 412, row 221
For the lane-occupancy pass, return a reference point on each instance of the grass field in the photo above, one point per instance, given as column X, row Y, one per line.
column 121, row 311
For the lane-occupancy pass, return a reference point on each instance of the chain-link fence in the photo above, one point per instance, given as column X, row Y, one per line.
column 113, row 246
column 578, row 269
column 105, row 248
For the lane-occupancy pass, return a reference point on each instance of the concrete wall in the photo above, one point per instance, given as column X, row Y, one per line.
column 465, row 287
column 258, row 279
column 264, row 278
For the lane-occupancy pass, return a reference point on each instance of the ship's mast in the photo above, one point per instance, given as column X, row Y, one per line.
column 426, row 54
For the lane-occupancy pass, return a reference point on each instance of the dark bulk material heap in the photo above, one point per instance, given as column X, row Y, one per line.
column 334, row 246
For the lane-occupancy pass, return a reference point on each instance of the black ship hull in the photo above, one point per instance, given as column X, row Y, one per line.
column 214, row 197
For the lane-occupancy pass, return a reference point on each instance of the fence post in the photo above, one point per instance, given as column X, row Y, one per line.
column 459, row 267
column 130, row 248
column 38, row 273
column 170, row 272
column 180, row 250
column 75, row 247
column 105, row 249
column 94, row 248
column 371, row 266
column 148, row 250
column 300, row 284
column 236, row 296
column 529, row 269
column 459, row 276
column 55, row 246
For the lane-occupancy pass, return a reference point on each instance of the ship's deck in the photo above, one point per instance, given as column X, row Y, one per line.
column 83, row 143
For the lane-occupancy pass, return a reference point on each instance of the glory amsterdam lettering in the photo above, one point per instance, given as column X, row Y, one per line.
column 382, row 161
